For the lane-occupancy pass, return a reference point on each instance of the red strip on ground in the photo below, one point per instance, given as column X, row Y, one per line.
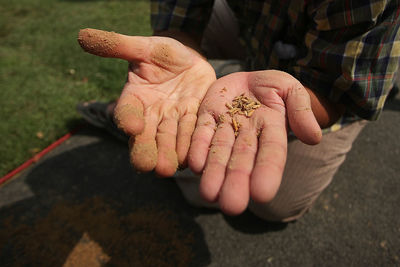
column 35, row 158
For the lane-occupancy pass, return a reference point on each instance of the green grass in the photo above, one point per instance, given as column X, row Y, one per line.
column 44, row 73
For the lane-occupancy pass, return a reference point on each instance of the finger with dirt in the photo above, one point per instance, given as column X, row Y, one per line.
column 167, row 162
column 143, row 147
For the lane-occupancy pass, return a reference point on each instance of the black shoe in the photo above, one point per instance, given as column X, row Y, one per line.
column 393, row 93
column 95, row 113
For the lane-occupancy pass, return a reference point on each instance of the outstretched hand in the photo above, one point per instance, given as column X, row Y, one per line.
column 159, row 102
column 244, row 156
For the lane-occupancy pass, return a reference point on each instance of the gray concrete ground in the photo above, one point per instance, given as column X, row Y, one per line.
column 44, row 212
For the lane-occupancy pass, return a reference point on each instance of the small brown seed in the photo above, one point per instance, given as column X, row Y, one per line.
column 250, row 105
column 235, row 125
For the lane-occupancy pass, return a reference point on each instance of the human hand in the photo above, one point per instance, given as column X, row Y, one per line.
column 251, row 164
column 159, row 102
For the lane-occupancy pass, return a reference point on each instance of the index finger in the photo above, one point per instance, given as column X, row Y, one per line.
column 201, row 140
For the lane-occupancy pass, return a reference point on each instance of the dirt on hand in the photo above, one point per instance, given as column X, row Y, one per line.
column 97, row 42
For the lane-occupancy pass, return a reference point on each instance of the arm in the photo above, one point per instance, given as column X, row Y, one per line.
column 350, row 62
column 324, row 110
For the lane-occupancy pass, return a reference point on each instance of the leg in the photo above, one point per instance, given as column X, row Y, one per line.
column 188, row 183
column 308, row 171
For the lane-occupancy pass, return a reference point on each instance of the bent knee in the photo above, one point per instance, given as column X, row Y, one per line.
column 278, row 213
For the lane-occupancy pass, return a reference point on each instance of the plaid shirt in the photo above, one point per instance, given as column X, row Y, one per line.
column 346, row 50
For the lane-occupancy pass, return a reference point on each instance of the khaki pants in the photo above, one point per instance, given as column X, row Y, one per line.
column 308, row 170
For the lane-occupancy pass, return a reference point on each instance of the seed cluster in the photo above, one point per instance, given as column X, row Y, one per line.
column 241, row 105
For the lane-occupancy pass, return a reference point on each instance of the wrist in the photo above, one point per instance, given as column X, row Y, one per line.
column 326, row 112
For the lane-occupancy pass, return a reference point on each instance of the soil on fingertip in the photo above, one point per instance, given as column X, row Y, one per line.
column 97, row 42
column 144, row 156
column 126, row 111
column 172, row 158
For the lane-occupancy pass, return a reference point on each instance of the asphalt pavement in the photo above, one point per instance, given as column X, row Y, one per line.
column 83, row 205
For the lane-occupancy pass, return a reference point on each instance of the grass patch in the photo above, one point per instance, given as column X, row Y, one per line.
column 44, row 73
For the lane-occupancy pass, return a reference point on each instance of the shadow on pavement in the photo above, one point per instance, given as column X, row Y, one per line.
column 86, row 205
column 248, row 223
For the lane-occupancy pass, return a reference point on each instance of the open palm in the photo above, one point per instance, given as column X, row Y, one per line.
column 159, row 103
column 249, row 163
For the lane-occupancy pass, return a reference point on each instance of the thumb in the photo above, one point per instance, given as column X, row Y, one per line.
column 114, row 45
column 301, row 117
column 164, row 52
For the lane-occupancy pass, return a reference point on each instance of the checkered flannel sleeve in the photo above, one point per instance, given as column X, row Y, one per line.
column 352, row 53
column 189, row 16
